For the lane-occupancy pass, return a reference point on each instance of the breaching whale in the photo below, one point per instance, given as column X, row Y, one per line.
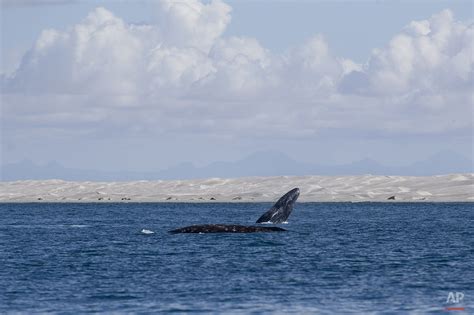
column 281, row 210
column 279, row 213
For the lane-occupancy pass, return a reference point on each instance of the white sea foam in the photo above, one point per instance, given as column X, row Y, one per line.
column 145, row 231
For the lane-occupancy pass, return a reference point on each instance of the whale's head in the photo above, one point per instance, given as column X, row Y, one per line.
column 290, row 197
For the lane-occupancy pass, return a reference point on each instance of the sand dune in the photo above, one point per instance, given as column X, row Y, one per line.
column 455, row 187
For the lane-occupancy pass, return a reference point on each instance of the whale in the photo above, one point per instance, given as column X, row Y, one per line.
column 282, row 209
column 278, row 213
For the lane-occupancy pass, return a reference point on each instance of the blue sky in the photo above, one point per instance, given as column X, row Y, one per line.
column 144, row 85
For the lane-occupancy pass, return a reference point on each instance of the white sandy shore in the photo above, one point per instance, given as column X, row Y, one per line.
column 454, row 187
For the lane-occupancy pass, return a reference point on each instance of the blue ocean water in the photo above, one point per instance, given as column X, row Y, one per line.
column 335, row 258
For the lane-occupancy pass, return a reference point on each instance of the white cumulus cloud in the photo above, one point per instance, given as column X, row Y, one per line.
column 182, row 75
column 429, row 55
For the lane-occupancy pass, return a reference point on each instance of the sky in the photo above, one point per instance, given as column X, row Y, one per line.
column 144, row 85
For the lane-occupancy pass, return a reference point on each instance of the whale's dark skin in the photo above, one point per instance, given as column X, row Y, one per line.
column 279, row 213
column 226, row 228
column 281, row 210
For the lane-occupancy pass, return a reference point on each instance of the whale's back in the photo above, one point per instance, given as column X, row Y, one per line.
column 226, row 228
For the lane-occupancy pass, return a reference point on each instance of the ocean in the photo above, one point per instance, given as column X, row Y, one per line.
column 334, row 258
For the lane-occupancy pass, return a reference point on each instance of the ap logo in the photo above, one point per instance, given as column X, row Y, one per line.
column 455, row 297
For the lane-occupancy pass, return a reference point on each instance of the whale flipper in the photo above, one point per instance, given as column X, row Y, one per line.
column 281, row 210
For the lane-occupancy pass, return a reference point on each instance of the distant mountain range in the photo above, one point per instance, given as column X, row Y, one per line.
column 267, row 163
